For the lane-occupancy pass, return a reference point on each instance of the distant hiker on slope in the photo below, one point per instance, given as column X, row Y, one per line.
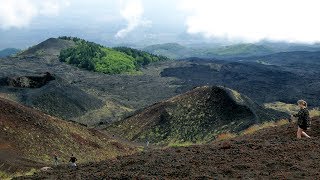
column 55, row 159
column 303, row 119
column 73, row 161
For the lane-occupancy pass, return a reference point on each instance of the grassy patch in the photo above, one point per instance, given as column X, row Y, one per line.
column 281, row 122
column 269, row 124
column 314, row 112
column 228, row 135
column 251, row 129
column 225, row 136
column 237, row 96
column 109, row 109
column 180, row 144
column 4, row 175
column 282, row 107
column 290, row 108
column 7, row 176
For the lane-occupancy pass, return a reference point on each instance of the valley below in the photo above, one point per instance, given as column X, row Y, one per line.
column 182, row 108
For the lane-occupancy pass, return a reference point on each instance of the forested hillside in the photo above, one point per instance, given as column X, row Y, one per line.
column 95, row 57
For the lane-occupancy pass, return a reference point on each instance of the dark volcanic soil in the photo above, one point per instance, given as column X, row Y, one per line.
column 262, row 83
column 101, row 99
column 272, row 153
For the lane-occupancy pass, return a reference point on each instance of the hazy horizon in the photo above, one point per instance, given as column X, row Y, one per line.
column 143, row 22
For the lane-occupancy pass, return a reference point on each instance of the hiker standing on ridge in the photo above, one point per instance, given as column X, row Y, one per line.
column 73, row 161
column 303, row 119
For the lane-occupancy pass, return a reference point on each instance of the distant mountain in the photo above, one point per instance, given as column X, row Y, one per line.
column 243, row 50
column 171, row 50
column 177, row 51
column 294, row 58
column 8, row 52
column 288, row 47
column 196, row 116
column 29, row 138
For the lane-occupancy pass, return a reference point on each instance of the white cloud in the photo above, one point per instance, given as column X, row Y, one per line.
column 20, row 13
column 132, row 11
column 254, row 20
column 52, row 8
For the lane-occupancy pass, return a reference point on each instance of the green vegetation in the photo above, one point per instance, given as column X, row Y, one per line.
column 257, row 127
column 94, row 57
column 114, row 62
column 141, row 58
column 181, row 144
column 228, row 135
column 315, row 112
column 5, row 175
column 252, row 129
column 282, row 107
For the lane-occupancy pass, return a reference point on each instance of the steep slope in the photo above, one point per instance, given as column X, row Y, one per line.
column 28, row 138
column 51, row 46
column 196, row 116
column 272, row 153
column 8, row 52
column 50, row 94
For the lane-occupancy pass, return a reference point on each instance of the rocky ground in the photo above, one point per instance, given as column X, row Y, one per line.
column 272, row 153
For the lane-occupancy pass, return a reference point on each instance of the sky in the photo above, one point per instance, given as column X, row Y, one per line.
column 26, row 22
